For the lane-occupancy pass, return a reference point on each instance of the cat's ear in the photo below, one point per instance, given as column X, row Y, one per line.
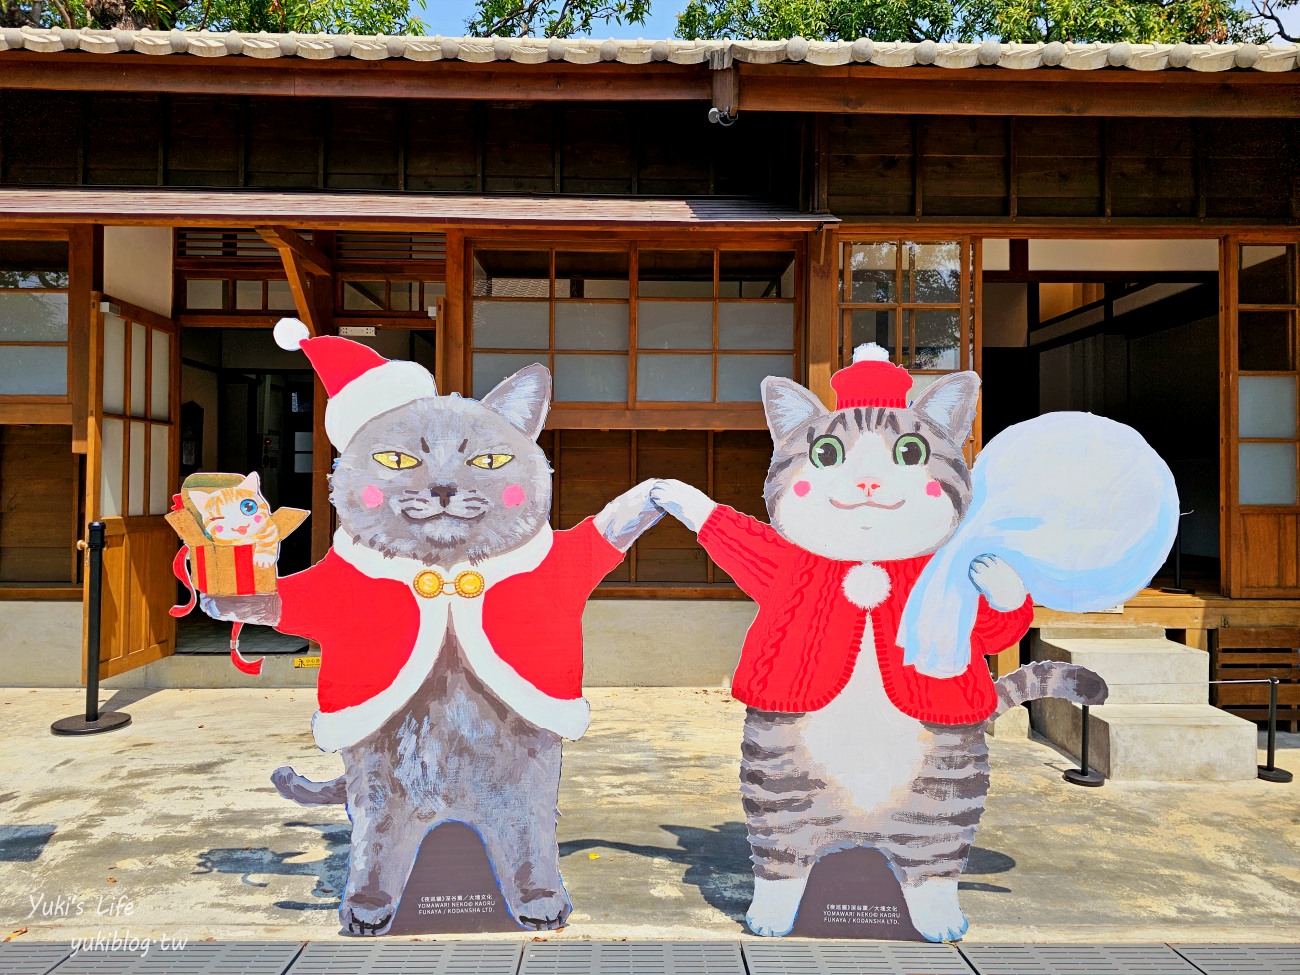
column 200, row 499
column 950, row 404
column 523, row 399
column 251, row 483
column 788, row 407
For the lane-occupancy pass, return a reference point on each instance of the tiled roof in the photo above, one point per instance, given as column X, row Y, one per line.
column 718, row 54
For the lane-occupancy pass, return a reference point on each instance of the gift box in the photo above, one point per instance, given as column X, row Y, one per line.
column 225, row 570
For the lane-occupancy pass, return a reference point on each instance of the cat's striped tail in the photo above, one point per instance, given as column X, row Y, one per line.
column 1049, row 678
column 305, row 792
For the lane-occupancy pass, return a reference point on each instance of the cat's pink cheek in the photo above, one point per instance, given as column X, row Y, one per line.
column 257, row 519
column 371, row 496
column 513, row 496
column 801, row 488
column 934, row 489
column 216, row 529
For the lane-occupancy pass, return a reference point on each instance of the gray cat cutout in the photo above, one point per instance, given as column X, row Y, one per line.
column 887, row 572
column 449, row 616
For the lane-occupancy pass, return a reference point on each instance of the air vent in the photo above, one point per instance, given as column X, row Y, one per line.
column 196, row 958
column 408, row 958
column 32, row 958
column 1243, row 959
column 371, row 248
column 852, row 958
column 1078, row 959
column 632, row 958
column 226, row 244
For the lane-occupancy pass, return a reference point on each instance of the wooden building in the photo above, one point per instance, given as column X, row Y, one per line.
column 1105, row 227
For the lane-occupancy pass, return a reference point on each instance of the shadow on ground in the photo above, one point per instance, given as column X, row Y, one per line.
column 716, row 859
column 252, row 862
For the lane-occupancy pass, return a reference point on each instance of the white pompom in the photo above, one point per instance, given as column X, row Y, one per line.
column 866, row 585
column 290, row 334
column 870, row 352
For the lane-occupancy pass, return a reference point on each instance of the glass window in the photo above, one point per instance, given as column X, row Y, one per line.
column 248, row 296
column 756, row 274
column 590, row 378
column 33, row 318
column 1266, row 341
column 1267, row 473
column 674, row 325
column 933, row 273
column 591, row 325
column 665, row 377
column 591, row 274
column 873, row 272
column 364, row 295
column 205, row 294
column 674, row 274
column 754, row 325
column 936, row 340
column 512, row 324
column 512, row 274
column 492, row 367
column 740, row 377
column 1266, row 407
column 872, row 325
column 279, row 297
column 1267, row 275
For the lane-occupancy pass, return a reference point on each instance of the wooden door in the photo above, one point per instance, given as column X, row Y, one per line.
column 1261, row 410
column 131, row 475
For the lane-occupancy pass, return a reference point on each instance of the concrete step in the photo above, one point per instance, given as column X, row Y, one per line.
column 1154, row 742
column 1139, row 664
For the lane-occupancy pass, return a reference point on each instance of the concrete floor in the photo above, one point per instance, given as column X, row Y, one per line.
column 174, row 818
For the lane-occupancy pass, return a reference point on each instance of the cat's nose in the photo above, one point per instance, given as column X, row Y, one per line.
column 869, row 486
column 443, row 492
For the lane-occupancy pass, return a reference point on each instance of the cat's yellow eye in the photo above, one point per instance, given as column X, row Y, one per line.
column 395, row 460
column 490, row 462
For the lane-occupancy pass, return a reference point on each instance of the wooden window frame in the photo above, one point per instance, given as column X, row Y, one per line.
column 53, row 409
column 641, row 414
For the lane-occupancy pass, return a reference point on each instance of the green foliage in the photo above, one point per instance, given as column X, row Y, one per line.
column 1082, row 21
column 274, row 16
column 552, row 18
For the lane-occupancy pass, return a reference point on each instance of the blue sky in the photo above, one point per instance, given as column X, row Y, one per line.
column 448, row 17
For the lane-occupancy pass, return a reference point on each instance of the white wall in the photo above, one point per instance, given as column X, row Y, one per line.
column 1124, row 255
column 138, row 266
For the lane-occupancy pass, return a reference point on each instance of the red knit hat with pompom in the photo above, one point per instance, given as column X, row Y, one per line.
column 872, row 380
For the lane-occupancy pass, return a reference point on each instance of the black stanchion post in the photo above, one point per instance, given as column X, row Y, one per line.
column 1177, row 588
column 1270, row 772
column 1083, row 775
column 92, row 722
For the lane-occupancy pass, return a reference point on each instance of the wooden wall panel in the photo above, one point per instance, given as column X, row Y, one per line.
column 669, row 552
column 1152, row 167
column 1059, row 167
column 42, row 137
column 598, row 151
column 1268, row 554
column 38, row 504
column 362, row 145
column 870, row 165
column 964, row 167
column 518, row 149
column 674, row 151
column 204, row 140
column 442, row 147
column 121, row 141
column 284, row 143
column 592, row 468
column 1246, row 165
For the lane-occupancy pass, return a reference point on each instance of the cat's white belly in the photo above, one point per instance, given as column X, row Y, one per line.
column 862, row 742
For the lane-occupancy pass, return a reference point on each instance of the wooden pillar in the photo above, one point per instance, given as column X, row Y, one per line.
column 452, row 331
column 822, row 321
column 85, row 272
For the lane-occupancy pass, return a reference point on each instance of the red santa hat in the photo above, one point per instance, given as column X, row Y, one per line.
column 360, row 382
column 872, row 380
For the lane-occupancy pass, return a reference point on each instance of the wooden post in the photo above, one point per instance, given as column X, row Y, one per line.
column 822, row 321
column 452, row 331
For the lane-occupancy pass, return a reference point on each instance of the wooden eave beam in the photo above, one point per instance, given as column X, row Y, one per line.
column 867, row 89
column 283, row 239
column 394, row 78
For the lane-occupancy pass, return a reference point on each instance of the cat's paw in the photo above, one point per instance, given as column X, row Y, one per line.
column 366, row 921
column 934, row 909
column 549, row 913
column 775, row 906
column 1000, row 584
column 688, row 505
column 263, row 561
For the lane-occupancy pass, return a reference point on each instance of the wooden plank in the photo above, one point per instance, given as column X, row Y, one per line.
column 1276, row 658
column 285, row 240
column 1255, row 638
column 975, row 91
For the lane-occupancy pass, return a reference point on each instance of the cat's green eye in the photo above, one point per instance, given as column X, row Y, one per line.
column 826, row 451
column 490, row 462
column 395, row 460
column 911, row 449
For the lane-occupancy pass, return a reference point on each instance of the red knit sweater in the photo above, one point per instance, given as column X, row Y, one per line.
column 800, row 650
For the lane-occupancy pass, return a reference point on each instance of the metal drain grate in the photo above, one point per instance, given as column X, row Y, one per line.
column 201, row 958
column 408, row 958
column 632, row 958
column 1243, row 959
column 32, row 958
column 852, row 958
column 1076, row 960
